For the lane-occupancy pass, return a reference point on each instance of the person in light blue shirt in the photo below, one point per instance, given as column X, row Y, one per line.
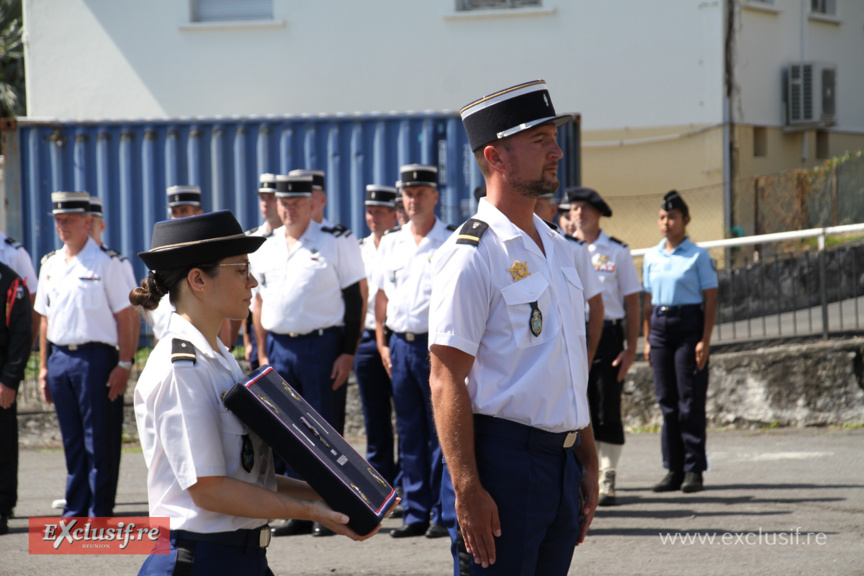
column 680, row 284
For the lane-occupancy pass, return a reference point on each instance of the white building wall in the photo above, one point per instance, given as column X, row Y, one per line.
column 621, row 63
column 770, row 39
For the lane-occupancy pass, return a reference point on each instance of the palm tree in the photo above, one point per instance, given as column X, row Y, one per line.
column 11, row 59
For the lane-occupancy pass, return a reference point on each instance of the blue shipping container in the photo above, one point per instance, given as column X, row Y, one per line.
column 129, row 164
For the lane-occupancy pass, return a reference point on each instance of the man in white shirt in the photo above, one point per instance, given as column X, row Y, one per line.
column 509, row 356
column 373, row 381
column 620, row 286
column 404, row 279
column 318, row 202
column 309, row 308
column 83, row 299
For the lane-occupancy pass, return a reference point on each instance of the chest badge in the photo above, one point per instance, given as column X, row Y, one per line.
column 519, row 270
column 247, row 454
column 536, row 319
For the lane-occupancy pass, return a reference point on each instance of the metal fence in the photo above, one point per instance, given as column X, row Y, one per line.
column 805, row 288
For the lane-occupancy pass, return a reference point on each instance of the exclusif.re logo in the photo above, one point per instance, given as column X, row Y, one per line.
column 118, row 535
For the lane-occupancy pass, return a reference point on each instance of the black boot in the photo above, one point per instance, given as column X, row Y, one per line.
column 692, row 482
column 670, row 483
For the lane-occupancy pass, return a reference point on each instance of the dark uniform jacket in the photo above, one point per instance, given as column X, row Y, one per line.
column 16, row 336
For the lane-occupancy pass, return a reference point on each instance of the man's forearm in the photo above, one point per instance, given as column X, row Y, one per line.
column 454, row 419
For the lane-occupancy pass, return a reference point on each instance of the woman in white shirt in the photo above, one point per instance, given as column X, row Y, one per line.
column 207, row 472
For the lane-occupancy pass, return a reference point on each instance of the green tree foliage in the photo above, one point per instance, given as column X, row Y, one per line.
column 11, row 59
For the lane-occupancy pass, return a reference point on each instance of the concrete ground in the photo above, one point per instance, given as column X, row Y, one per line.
column 781, row 484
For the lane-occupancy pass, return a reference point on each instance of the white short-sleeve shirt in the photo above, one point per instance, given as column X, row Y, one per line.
column 15, row 256
column 187, row 433
column 81, row 298
column 369, row 253
column 614, row 268
column 301, row 289
column 478, row 307
column 404, row 273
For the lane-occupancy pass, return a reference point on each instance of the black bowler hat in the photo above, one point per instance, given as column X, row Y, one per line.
column 589, row 195
column 184, row 196
column 70, row 203
column 418, row 175
column 267, row 184
column 317, row 177
column 380, row 196
column 673, row 201
column 198, row 239
column 508, row 112
column 288, row 186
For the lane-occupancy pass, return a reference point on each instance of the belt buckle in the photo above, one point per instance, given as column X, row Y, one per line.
column 293, row 334
column 570, row 440
column 264, row 536
column 409, row 336
column 72, row 347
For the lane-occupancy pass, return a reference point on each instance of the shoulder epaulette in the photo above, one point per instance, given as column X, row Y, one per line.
column 13, row 243
column 113, row 253
column 617, row 241
column 551, row 225
column 269, row 233
column 362, row 240
column 471, row 232
column 574, row 239
column 47, row 256
column 393, row 230
column 337, row 230
column 182, row 351
column 252, row 231
column 451, row 228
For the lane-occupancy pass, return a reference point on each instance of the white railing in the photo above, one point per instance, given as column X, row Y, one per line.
column 820, row 233
column 835, row 310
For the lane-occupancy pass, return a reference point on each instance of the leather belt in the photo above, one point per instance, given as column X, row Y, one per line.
column 509, row 430
column 319, row 332
column 411, row 336
column 677, row 310
column 614, row 322
column 84, row 346
column 254, row 538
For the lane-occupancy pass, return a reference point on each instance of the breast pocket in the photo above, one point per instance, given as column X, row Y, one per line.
column 576, row 296
column 91, row 293
column 237, row 444
column 529, row 308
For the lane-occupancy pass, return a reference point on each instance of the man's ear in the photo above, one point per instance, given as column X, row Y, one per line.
column 492, row 154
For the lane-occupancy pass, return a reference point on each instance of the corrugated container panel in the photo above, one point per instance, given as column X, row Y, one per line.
column 129, row 164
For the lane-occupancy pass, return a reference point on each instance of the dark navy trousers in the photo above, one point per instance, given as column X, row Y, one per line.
column 376, row 394
column 8, row 458
column 420, row 452
column 90, row 424
column 681, row 389
column 535, row 484
column 604, row 388
column 207, row 559
column 306, row 362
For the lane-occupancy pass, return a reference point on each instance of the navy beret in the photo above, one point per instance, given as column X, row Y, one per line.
column 589, row 195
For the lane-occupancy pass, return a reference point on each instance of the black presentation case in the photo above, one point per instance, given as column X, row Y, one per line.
column 266, row 403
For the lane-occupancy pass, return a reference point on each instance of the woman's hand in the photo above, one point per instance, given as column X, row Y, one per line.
column 337, row 522
column 701, row 354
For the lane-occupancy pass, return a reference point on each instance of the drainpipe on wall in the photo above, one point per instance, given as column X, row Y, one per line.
column 728, row 122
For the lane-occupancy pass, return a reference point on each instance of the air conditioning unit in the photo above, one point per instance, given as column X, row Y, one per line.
column 810, row 94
